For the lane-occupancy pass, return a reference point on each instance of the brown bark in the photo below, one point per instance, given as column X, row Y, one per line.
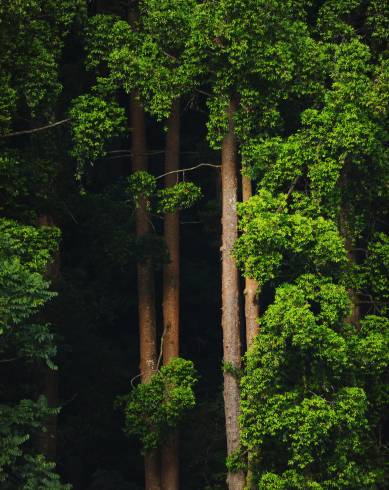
column 171, row 272
column 251, row 307
column 171, row 291
column 230, row 297
column 170, row 475
column 251, row 290
column 145, row 280
column 47, row 441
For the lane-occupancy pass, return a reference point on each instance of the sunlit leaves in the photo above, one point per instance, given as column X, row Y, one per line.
column 153, row 409
column 94, row 122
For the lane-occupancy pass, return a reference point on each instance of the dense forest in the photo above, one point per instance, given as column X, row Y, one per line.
column 194, row 244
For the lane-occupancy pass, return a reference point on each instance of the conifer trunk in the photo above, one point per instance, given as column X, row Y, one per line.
column 230, row 296
column 47, row 441
column 251, row 289
column 145, row 279
column 171, row 291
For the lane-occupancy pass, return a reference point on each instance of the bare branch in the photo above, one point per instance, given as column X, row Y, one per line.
column 36, row 130
column 12, row 359
column 134, row 378
column 291, row 189
column 183, row 170
column 158, row 362
column 203, row 92
column 161, row 349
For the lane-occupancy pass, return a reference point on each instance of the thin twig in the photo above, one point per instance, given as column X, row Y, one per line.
column 35, row 130
column 151, row 152
column 203, row 92
column 291, row 189
column 12, row 359
column 134, row 378
column 158, row 362
column 161, row 348
column 183, row 170
column 70, row 400
column 69, row 213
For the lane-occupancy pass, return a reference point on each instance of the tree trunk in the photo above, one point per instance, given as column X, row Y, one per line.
column 47, row 441
column 230, row 297
column 251, row 307
column 251, row 290
column 355, row 314
column 344, row 222
column 171, row 291
column 145, row 279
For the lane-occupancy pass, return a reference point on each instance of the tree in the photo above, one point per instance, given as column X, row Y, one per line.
column 33, row 36
column 146, row 294
column 232, row 50
column 251, row 288
column 171, row 291
column 311, row 412
column 24, row 254
column 145, row 59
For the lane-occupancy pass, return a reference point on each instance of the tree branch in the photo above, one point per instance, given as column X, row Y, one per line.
column 35, row 130
column 290, row 190
column 183, row 170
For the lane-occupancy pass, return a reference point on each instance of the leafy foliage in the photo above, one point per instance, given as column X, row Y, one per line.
column 17, row 424
column 25, row 252
column 180, row 196
column 142, row 185
column 272, row 236
column 153, row 409
column 307, row 399
column 94, row 121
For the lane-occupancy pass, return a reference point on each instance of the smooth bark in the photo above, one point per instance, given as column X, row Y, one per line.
column 145, row 280
column 251, row 290
column 171, row 291
column 251, row 309
column 230, row 297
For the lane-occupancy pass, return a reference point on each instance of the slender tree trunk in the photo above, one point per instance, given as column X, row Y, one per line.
column 230, row 297
column 47, row 441
column 346, row 232
column 145, row 278
column 251, row 306
column 251, row 289
column 355, row 314
column 171, row 291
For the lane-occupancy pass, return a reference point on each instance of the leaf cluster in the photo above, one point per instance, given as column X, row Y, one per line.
column 153, row 409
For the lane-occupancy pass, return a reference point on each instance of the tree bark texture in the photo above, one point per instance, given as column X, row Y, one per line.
column 145, row 279
column 47, row 441
column 230, row 296
column 251, row 289
column 171, row 291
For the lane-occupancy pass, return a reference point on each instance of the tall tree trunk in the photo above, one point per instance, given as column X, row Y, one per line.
column 346, row 232
column 355, row 313
column 47, row 441
column 251, row 307
column 251, row 290
column 145, row 279
column 230, row 296
column 171, row 291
